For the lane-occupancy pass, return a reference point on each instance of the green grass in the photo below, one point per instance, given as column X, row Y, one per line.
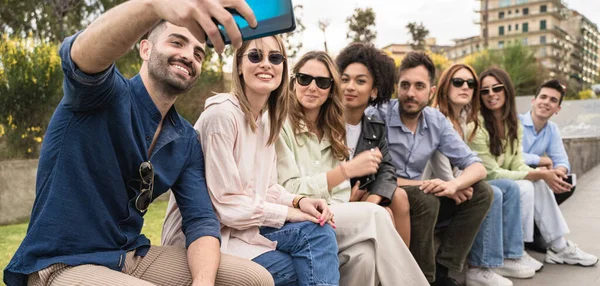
column 12, row 235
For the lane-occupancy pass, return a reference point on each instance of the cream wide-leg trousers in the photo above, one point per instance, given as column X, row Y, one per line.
column 370, row 249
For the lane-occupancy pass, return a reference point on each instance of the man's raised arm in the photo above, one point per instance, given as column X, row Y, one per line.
column 116, row 31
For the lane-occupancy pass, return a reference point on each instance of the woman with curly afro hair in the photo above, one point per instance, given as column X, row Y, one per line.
column 368, row 77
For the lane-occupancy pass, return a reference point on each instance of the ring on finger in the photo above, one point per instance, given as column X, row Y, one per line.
column 372, row 150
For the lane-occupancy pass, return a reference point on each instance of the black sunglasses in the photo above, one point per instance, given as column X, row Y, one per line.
column 305, row 79
column 459, row 82
column 256, row 57
column 147, row 189
column 495, row 89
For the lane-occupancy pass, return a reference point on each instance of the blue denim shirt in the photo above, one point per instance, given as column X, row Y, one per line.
column 411, row 152
column 88, row 176
column 547, row 141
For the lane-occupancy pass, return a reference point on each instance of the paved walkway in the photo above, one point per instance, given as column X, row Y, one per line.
column 582, row 212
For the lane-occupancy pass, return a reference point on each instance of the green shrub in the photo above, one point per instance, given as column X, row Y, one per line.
column 30, row 89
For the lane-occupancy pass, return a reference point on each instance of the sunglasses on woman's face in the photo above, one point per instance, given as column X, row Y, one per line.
column 305, row 79
column 459, row 82
column 145, row 197
column 255, row 57
column 495, row 89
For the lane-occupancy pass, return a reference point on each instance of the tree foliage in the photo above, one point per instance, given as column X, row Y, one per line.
column 30, row 88
column 50, row 20
column 293, row 43
column 441, row 63
column 361, row 25
column 517, row 60
column 419, row 33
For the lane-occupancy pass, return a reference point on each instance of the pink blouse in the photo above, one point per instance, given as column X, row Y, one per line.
column 241, row 176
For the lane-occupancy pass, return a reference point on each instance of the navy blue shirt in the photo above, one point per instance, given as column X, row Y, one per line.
column 88, row 177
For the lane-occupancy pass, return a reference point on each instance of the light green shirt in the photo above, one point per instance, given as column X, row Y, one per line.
column 509, row 165
column 303, row 163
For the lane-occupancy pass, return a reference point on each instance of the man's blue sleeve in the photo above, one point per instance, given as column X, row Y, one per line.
column 84, row 92
column 191, row 194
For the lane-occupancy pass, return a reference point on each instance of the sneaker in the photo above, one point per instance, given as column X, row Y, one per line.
column 570, row 255
column 485, row 277
column 527, row 259
column 516, row 268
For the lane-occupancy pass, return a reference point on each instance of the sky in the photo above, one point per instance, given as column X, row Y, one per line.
column 445, row 19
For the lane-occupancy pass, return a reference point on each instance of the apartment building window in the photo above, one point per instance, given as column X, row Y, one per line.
column 516, row 27
column 517, row 11
column 524, row 41
column 543, row 25
column 501, row 44
column 522, row 1
column 542, row 39
column 525, row 27
column 501, row 30
column 525, row 11
column 501, row 15
column 543, row 9
column 504, row 3
column 509, row 27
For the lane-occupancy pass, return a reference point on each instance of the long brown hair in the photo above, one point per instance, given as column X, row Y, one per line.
column 279, row 100
column 509, row 114
column 331, row 114
column 441, row 99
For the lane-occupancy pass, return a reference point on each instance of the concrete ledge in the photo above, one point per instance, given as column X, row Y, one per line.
column 17, row 190
column 17, row 178
column 584, row 153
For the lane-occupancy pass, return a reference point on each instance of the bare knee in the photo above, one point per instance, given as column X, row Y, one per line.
column 400, row 202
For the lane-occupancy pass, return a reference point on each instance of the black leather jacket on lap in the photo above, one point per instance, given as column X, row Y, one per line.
column 383, row 183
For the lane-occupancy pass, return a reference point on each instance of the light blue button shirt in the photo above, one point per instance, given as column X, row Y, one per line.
column 411, row 152
column 547, row 141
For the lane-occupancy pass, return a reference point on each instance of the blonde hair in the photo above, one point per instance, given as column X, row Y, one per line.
column 331, row 114
column 279, row 100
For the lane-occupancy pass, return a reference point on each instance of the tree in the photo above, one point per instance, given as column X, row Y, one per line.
column 361, row 25
column 293, row 44
column 441, row 63
column 50, row 20
column 517, row 60
column 418, row 33
column 30, row 88
column 323, row 24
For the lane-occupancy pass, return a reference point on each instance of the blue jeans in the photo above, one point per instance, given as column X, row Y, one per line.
column 500, row 235
column 306, row 254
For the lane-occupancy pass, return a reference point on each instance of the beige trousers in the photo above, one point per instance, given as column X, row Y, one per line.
column 162, row 265
column 370, row 249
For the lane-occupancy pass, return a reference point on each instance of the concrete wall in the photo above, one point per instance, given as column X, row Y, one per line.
column 17, row 178
column 584, row 153
column 17, row 190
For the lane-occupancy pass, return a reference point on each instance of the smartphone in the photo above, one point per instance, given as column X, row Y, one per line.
column 571, row 179
column 273, row 17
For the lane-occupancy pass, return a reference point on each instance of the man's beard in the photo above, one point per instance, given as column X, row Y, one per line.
column 163, row 77
column 411, row 114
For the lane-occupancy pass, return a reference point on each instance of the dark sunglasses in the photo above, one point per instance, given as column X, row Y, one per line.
column 459, row 82
column 495, row 89
column 256, row 57
column 147, row 187
column 305, row 79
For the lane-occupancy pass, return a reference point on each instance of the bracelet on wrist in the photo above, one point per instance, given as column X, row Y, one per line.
column 296, row 201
